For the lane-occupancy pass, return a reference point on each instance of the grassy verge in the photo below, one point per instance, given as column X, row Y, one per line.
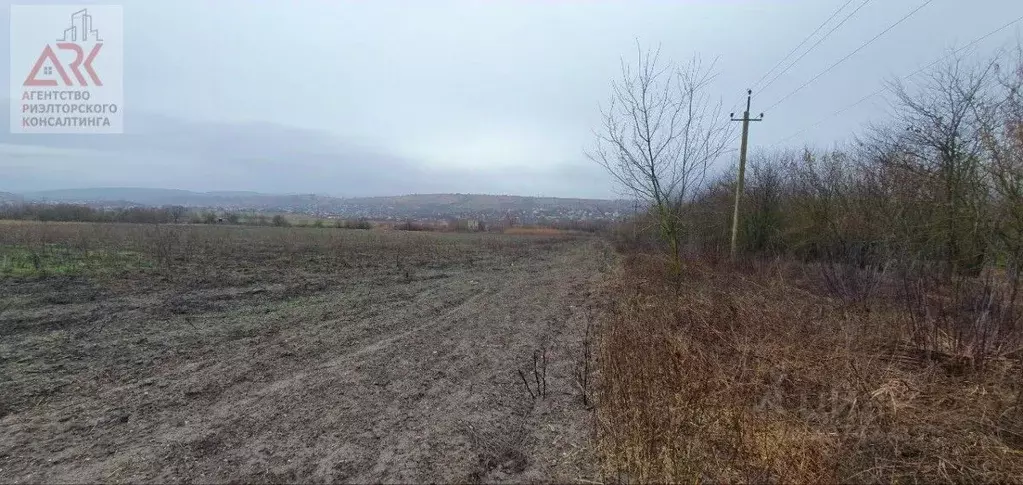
column 758, row 374
column 57, row 259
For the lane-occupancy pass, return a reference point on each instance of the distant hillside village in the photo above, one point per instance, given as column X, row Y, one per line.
column 416, row 212
column 436, row 214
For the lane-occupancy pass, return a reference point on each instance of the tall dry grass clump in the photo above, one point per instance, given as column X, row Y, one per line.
column 761, row 373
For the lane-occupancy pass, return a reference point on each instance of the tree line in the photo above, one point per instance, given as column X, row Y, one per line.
column 940, row 181
column 64, row 212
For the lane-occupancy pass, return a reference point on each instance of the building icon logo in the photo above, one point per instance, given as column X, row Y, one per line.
column 81, row 28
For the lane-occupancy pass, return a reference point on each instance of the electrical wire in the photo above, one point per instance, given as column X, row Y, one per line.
column 805, row 40
column 914, row 73
column 849, row 55
column 819, row 41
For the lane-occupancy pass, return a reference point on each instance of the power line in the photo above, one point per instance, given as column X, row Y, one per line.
column 914, row 73
column 819, row 41
column 854, row 52
column 832, row 115
column 796, row 48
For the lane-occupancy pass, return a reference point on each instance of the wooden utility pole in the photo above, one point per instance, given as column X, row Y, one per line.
column 742, row 167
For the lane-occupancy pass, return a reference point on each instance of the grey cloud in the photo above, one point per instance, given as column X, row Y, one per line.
column 392, row 97
column 160, row 151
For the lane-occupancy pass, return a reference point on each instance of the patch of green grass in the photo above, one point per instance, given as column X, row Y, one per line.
column 56, row 259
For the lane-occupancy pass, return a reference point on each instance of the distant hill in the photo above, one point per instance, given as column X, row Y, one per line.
column 9, row 198
column 134, row 195
column 418, row 206
column 165, row 197
column 482, row 202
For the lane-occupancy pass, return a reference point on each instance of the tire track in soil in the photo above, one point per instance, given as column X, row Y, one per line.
column 447, row 388
column 409, row 383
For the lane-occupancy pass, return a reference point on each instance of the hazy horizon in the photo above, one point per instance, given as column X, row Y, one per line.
column 287, row 194
column 390, row 98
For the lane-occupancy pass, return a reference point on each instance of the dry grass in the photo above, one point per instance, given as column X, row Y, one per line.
column 534, row 231
column 757, row 374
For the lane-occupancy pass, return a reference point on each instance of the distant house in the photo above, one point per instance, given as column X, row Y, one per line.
column 466, row 225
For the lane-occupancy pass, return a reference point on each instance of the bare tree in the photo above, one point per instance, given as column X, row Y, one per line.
column 936, row 135
column 660, row 132
column 177, row 212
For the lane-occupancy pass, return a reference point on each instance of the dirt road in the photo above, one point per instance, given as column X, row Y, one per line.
column 397, row 376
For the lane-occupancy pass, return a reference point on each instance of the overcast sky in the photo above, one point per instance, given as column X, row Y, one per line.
column 385, row 98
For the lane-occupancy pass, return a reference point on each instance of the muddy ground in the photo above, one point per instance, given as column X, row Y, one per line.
column 280, row 360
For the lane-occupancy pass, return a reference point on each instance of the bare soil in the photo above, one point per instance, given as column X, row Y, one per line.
column 277, row 367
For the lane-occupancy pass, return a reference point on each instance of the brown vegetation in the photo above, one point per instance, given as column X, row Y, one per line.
column 534, row 231
column 765, row 373
column 870, row 329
